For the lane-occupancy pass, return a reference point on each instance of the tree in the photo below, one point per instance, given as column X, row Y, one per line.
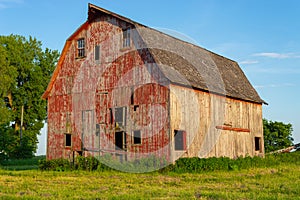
column 277, row 135
column 7, row 77
column 26, row 70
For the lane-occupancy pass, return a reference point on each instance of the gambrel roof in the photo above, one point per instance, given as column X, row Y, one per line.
column 184, row 63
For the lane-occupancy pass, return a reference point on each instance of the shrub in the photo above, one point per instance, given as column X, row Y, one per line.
column 55, row 164
column 86, row 163
column 146, row 164
column 197, row 165
column 183, row 165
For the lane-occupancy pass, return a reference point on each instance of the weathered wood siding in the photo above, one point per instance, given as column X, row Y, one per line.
column 201, row 114
column 87, row 91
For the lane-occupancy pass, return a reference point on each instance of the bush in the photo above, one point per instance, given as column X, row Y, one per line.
column 86, row 163
column 141, row 165
column 81, row 163
column 55, row 165
column 182, row 165
column 197, row 165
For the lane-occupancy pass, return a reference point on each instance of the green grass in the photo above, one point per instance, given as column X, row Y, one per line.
column 21, row 164
column 280, row 181
column 274, row 183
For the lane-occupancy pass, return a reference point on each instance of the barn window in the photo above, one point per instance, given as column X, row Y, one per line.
column 257, row 141
column 68, row 122
column 126, row 38
column 80, row 48
column 97, row 52
column 111, row 118
column 97, row 129
column 132, row 96
column 137, row 137
column 120, row 140
column 135, row 107
column 180, row 140
column 120, row 116
column 68, row 139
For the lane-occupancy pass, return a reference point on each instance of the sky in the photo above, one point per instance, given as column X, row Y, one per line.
column 263, row 36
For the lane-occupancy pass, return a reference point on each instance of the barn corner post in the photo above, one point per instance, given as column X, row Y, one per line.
column 129, row 91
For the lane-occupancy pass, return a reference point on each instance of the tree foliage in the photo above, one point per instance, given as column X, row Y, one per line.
column 277, row 135
column 25, row 70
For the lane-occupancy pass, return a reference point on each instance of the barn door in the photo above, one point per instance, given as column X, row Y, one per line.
column 90, row 141
column 102, row 119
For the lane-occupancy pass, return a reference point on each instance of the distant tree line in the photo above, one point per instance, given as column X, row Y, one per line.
column 25, row 70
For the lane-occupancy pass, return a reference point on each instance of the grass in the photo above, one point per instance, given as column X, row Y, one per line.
column 277, row 182
column 21, row 164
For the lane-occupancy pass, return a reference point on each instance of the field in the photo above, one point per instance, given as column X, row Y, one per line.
column 277, row 182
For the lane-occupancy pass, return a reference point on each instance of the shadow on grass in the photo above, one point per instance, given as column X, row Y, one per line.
column 21, row 164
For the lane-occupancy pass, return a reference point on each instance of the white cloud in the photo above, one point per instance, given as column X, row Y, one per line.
column 275, row 85
column 274, row 70
column 277, row 55
column 248, row 62
column 11, row 1
column 8, row 3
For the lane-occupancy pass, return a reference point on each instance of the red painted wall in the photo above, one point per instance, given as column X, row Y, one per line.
column 86, row 92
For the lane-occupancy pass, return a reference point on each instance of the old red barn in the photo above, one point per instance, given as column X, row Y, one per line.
column 129, row 90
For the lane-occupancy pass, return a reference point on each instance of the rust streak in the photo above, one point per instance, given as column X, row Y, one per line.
column 233, row 129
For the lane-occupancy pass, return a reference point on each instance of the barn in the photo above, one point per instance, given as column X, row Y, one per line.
column 128, row 90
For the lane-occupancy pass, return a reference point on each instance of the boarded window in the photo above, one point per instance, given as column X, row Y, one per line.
column 120, row 116
column 126, row 38
column 97, row 52
column 137, row 137
column 180, row 140
column 68, row 139
column 68, row 123
column 257, row 143
column 97, row 129
column 80, row 48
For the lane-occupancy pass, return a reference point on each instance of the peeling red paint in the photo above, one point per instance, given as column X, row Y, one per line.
column 86, row 92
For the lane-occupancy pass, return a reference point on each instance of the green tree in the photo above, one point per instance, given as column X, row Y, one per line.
column 7, row 78
column 26, row 70
column 277, row 135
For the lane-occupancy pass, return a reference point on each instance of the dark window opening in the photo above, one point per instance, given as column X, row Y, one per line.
column 257, row 144
column 137, row 137
column 180, row 140
column 120, row 140
column 135, row 107
column 68, row 140
column 80, row 48
column 132, row 96
column 111, row 116
column 126, row 38
column 97, row 52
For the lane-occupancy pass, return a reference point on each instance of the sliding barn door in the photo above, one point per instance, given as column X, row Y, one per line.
column 90, row 138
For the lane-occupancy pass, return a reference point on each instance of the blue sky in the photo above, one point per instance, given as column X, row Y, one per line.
column 263, row 36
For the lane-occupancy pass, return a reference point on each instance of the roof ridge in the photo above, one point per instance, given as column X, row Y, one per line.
column 153, row 29
column 189, row 43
